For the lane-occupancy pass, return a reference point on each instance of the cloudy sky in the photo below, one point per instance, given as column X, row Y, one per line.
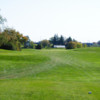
column 41, row 19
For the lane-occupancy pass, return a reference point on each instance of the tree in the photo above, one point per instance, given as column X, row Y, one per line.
column 71, row 45
column 79, row 45
column 54, row 40
column 23, row 40
column 27, row 42
column 34, row 46
column 95, row 44
column 10, row 39
column 68, row 40
column 85, row 45
column 74, row 40
column 98, row 43
column 31, row 44
column 2, row 20
column 45, row 43
column 61, row 40
column 38, row 46
column 18, row 46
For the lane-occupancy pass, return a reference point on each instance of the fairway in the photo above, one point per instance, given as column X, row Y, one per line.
column 50, row 74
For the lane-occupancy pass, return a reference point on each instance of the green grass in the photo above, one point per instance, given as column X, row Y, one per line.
column 56, row 74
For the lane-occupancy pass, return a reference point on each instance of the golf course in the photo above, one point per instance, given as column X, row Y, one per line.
column 50, row 74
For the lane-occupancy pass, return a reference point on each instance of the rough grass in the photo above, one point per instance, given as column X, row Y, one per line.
column 56, row 74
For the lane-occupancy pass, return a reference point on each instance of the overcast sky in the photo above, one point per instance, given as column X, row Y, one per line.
column 41, row 19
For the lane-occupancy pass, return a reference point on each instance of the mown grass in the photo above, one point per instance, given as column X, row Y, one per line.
column 56, row 74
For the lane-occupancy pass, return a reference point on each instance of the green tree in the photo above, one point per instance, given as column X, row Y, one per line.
column 79, row 45
column 45, row 43
column 85, row 45
column 38, row 46
column 61, row 40
column 31, row 44
column 74, row 40
column 68, row 40
column 71, row 45
column 10, row 39
column 2, row 20
column 98, row 43
column 54, row 40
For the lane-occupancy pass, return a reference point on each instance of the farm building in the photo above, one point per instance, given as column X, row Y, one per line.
column 59, row 46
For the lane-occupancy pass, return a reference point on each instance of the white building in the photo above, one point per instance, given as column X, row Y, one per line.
column 59, row 46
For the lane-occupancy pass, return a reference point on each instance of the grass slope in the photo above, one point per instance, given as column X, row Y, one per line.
column 56, row 74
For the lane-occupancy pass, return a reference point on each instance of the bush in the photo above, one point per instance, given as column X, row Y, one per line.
column 45, row 43
column 34, row 46
column 84, row 45
column 8, row 46
column 79, row 45
column 71, row 45
column 38, row 46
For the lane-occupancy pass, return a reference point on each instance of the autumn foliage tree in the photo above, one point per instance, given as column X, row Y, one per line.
column 11, row 39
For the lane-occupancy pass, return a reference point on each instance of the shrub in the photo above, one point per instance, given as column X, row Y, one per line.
column 38, row 46
column 84, row 45
column 71, row 45
column 34, row 46
column 8, row 46
column 79, row 45
column 45, row 43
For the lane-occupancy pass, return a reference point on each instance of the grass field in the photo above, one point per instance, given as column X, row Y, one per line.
column 52, row 74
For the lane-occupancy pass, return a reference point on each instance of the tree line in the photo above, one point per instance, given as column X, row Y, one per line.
column 13, row 40
column 61, row 40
